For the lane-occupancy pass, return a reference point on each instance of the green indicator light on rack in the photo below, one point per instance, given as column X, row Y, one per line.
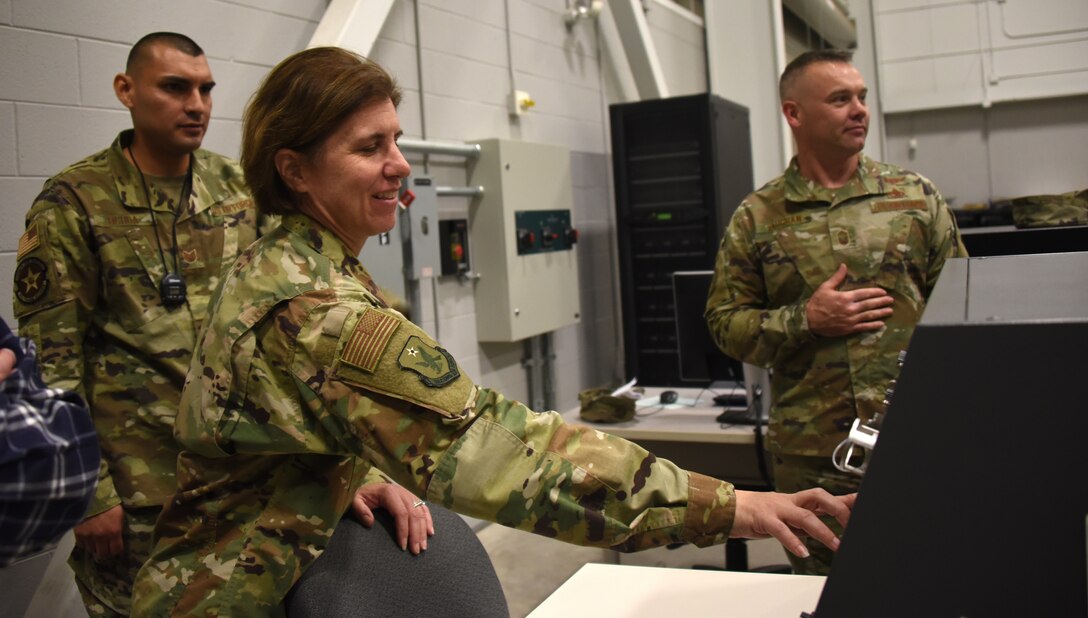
column 663, row 216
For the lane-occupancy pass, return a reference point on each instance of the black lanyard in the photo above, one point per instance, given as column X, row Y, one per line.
column 172, row 287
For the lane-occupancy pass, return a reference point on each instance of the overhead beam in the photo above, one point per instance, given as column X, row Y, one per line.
column 352, row 24
column 617, row 57
column 638, row 47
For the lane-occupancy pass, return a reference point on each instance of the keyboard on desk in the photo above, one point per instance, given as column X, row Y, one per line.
column 740, row 416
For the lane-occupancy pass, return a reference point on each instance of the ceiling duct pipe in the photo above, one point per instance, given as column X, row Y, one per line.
column 829, row 18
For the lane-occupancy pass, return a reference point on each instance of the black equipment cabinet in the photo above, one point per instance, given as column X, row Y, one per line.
column 681, row 166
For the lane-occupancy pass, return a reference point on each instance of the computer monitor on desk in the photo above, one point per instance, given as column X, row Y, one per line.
column 700, row 359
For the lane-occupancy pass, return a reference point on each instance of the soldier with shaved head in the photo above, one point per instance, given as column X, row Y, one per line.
column 120, row 256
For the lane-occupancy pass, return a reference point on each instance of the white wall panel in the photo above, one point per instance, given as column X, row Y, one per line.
column 450, row 76
column 8, row 157
column 560, row 99
column 950, row 150
column 98, row 64
column 400, row 23
column 309, row 10
column 452, row 34
column 574, row 134
column 1039, row 147
column 223, row 29
column 1009, row 150
column 16, row 195
column 486, row 12
column 38, row 67
column 994, row 50
column 51, row 137
column 235, row 83
column 458, row 120
column 224, row 137
column 531, row 56
column 399, row 59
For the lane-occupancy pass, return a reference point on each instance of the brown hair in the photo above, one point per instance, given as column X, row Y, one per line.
column 302, row 101
column 794, row 68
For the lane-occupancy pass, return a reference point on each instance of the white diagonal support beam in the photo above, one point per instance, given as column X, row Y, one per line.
column 638, row 47
column 617, row 58
column 352, row 24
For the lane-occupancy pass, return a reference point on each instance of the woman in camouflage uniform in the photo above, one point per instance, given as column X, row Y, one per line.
column 305, row 378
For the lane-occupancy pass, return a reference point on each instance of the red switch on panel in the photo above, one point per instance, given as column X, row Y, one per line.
column 407, row 198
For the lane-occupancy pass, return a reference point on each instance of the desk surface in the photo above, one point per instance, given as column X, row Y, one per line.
column 690, row 419
column 615, row 591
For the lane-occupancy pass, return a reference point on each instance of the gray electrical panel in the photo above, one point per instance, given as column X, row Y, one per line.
column 408, row 252
column 523, row 240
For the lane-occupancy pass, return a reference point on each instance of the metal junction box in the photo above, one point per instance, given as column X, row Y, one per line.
column 523, row 240
column 408, row 252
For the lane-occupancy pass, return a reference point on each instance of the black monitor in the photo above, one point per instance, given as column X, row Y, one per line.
column 976, row 497
column 700, row 359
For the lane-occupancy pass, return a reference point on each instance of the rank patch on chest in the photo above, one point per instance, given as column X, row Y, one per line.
column 434, row 365
column 889, row 205
column 369, row 339
column 31, row 281
column 28, row 241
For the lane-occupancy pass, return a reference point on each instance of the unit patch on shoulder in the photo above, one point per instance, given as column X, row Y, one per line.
column 31, row 280
column 435, row 366
column 28, row 241
column 368, row 340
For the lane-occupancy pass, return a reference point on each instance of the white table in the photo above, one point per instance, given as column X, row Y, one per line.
column 686, row 433
column 616, row 591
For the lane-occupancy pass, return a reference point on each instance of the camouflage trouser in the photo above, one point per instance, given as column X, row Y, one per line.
column 106, row 585
column 793, row 473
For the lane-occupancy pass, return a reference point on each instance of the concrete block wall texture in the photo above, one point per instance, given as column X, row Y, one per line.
column 58, row 59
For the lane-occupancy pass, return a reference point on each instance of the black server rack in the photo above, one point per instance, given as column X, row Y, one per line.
column 681, row 166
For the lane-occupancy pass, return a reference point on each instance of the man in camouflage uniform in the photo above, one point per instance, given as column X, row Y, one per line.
column 99, row 241
column 822, row 275
column 304, row 379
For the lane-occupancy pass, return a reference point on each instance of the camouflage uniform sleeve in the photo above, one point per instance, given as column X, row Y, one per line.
column 738, row 314
column 387, row 391
column 536, row 473
column 944, row 237
column 56, row 288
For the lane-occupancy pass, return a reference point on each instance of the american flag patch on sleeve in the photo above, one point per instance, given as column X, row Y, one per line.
column 28, row 241
column 369, row 339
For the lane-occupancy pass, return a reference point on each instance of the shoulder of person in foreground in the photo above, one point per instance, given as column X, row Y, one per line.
column 48, row 455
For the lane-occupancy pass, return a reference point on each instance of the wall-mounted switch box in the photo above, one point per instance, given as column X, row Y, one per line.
column 453, row 245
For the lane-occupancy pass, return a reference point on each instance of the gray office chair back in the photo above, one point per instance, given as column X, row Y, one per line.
column 364, row 573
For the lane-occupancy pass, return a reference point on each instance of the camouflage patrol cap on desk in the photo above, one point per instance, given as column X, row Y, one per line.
column 599, row 406
column 1051, row 210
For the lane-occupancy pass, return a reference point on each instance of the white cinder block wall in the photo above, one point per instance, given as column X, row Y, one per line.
column 58, row 59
